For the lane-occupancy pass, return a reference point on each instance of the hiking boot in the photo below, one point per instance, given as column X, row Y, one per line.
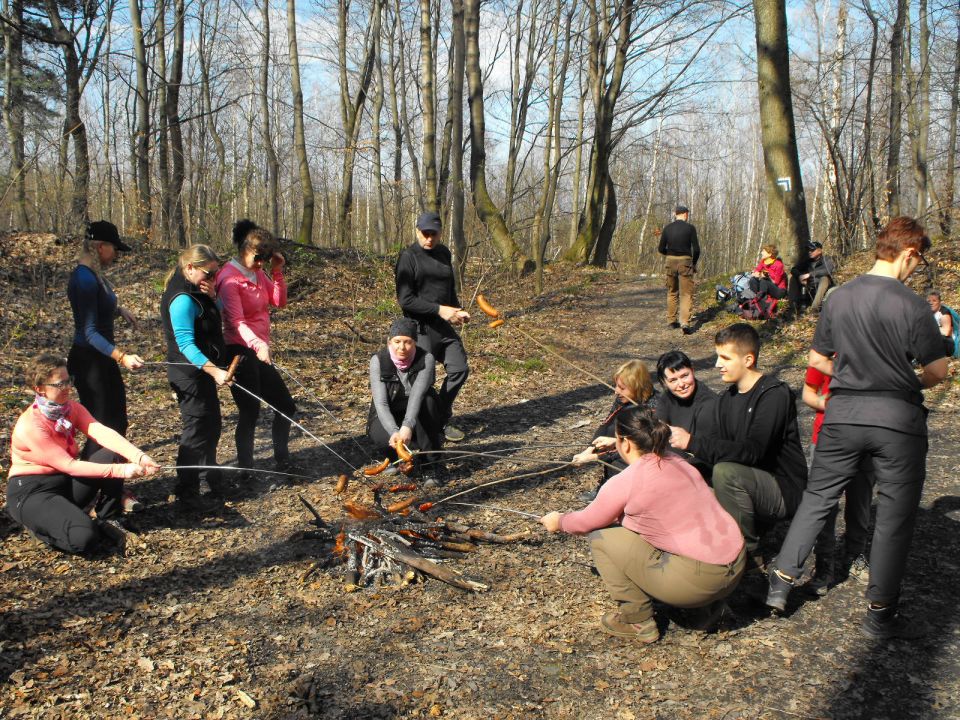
column 778, row 590
column 129, row 502
column 859, row 569
column 674, row 325
column 191, row 501
column 645, row 632
column 453, row 433
column 114, row 532
column 887, row 623
column 823, row 576
column 707, row 619
column 689, row 329
column 434, row 475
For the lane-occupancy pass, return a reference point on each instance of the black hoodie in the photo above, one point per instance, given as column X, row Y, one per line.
column 767, row 438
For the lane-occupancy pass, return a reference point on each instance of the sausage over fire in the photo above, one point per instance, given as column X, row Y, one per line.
column 377, row 469
column 341, row 484
column 402, row 452
column 487, row 308
column 496, row 323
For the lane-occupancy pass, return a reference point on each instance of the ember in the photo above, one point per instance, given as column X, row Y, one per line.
column 397, row 545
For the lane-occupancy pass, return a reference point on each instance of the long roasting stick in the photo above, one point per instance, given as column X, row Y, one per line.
column 500, row 509
column 498, row 482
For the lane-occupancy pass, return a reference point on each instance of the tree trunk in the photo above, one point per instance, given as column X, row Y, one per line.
column 918, row 115
column 380, row 210
column 206, row 45
column 142, row 135
column 605, row 236
column 896, row 105
column 428, row 103
column 487, row 210
column 305, row 234
column 946, row 207
column 266, row 134
column 13, row 104
column 786, row 205
column 172, row 113
column 455, row 117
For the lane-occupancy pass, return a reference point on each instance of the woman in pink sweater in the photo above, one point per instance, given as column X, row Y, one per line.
column 246, row 293
column 657, row 532
column 48, row 485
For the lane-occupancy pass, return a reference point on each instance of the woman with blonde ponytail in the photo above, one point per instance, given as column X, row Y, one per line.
column 197, row 357
column 657, row 533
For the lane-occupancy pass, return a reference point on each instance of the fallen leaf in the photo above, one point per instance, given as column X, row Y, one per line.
column 246, row 699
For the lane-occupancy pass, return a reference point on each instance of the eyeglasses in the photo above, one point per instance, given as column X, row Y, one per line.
column 207, row 273
column 924, row 263
column 60, row 385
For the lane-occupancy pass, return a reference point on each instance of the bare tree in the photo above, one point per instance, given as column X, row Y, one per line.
column 266, row 134
column 141, row 139
column 896, row 105
column 305, row 234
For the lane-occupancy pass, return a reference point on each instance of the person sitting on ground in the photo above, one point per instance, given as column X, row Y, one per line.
column 687, row 403
column 944, row 321
column 405, row 406
column 632, row 387
column 48, row 485
column 810, row 279
column 656, row 533
column 759, row 471
column 195, row 349
column 770, row 266
column 856, row 509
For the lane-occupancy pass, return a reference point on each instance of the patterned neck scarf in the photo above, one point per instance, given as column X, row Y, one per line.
column 402, row 365
column 56, row 412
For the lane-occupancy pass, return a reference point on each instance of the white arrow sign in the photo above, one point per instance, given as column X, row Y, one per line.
column 784, row 183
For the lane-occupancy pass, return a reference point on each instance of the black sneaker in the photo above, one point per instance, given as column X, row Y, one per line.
column 114, row 532
column 191, row 501
column 674, row 325
column 778, row 590
column 689, row 329
column 888, row 624
column 823, row 576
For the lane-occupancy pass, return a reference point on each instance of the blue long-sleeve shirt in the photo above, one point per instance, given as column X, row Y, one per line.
column 94, row 306
column 184, row 312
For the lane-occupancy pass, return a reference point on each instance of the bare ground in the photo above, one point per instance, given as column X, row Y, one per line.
column 209, row 617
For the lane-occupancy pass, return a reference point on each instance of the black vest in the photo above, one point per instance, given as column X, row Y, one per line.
column 390, row 378
column 207, row 328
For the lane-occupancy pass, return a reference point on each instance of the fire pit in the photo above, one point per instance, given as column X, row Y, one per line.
column 396, row 545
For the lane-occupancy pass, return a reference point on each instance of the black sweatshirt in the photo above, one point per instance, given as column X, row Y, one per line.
column 680, row 238
column 759, row 430
column 425, row 281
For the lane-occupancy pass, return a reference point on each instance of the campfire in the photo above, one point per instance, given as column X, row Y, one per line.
column 396, row 544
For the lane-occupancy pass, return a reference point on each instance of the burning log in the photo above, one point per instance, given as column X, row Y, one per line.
column 396, row 545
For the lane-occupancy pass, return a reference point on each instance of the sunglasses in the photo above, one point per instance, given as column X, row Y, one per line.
column 60, row 385
column 206, row 273
column 263, row 257
column 923, row 261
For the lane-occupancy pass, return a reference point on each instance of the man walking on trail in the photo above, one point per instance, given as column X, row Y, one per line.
column 867, row 339
column 427, row 292
column 678, row 242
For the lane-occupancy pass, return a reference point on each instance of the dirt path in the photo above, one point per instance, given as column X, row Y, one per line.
column 208, row 619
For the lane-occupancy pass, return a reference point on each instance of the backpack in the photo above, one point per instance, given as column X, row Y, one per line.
column 955, row 333
column 759, row 307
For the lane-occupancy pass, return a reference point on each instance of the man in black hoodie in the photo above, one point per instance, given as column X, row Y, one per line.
column 759, row 470
column 427, row 292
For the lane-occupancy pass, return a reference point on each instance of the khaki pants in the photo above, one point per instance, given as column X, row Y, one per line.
column 679, row 272
column 635, row 573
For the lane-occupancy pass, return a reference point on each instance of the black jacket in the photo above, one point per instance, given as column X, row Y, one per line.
column 771, row 442
column 680, row 238
column 425, row 281
column 207, row 328
column 395, row 393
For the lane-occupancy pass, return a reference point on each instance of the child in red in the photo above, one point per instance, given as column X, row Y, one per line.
column 856, row 510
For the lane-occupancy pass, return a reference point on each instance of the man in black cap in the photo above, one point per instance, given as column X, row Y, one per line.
column 427, row 292
column 811, row 276
column 678, row 242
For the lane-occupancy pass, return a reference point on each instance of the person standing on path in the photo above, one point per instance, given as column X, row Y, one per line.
column 427, row 292
column 867, row 339
column 678, row 242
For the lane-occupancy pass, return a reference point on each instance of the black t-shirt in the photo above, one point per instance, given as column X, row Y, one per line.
column 874, row 327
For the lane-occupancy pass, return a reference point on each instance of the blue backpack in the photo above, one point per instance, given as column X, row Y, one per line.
column 955, row 334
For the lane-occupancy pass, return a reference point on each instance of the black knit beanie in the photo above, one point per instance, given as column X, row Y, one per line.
column 407, row 327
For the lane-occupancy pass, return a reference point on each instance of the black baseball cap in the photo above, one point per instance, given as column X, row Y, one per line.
column 814, row 245
column 681, row 210
column 105, row 231
column 429, row 221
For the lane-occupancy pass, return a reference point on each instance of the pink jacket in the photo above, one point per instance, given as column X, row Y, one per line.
column 666, row 501
column 36, row 448
column 246, row 304
column 775, row 271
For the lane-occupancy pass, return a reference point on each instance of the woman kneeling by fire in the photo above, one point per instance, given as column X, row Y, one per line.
column 657, row 532
column 404, row 405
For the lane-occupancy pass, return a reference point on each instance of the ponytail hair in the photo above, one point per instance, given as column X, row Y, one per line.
column 644, row 429
column 241, row 229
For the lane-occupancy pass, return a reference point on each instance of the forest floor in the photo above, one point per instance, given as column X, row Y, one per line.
column 210, row 617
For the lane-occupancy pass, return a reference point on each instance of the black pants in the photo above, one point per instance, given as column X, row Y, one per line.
column 100, row 390
column 427, row 435
column 51, row 506
column 899, row 466
column 856, row 516
column 202, row 424
column 443, row 342
column 264, row 381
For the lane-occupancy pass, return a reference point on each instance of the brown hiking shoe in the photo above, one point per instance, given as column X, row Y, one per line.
column 645, row 632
